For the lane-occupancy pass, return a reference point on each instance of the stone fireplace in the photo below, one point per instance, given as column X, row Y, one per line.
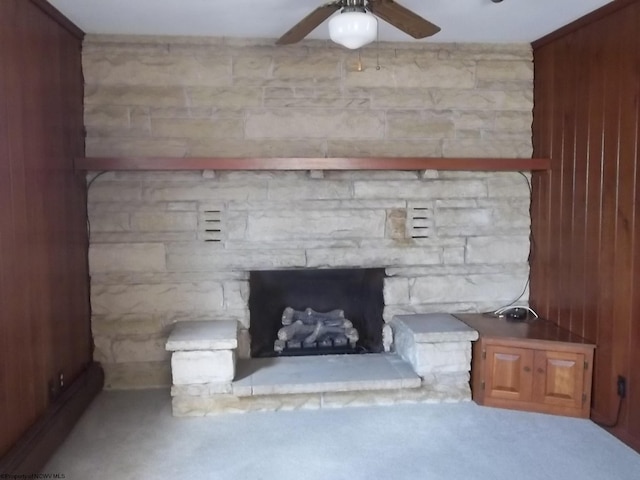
column 446, row 242
column 174, row 247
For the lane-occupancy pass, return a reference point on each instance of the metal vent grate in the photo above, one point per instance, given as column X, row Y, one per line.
column 210, row 224
column 420, row 222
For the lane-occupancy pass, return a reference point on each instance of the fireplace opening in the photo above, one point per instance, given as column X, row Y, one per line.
column 311, row 312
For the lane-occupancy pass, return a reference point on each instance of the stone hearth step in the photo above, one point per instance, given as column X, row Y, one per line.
column 433, row 342
column 323, row 373
column 199, row 335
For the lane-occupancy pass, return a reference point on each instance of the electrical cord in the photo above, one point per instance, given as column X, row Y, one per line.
column 500, row 312
column 616, row 421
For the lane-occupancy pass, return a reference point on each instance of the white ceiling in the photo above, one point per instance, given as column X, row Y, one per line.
column 460, row 20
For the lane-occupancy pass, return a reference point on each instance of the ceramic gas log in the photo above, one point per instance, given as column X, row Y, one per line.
column 310, row 329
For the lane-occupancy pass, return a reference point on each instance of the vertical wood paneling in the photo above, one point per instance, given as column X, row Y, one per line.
column 633, row 414
column 5, row 229
column 587, row 269
column 541, row 183
column 44, row 327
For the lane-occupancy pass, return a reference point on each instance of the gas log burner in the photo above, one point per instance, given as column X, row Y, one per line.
column 316, row 312
column 328, row 332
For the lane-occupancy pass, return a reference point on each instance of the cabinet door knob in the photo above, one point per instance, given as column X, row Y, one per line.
column 527, row 369
column 540, row 370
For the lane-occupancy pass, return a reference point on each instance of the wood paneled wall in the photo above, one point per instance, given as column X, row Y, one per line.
column 585, row 263
column 44, row 306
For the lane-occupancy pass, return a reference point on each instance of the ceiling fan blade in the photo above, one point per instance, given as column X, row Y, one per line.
column 305, row 26
column 403, row 18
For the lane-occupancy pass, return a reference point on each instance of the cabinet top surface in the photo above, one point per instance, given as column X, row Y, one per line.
column 536, row 329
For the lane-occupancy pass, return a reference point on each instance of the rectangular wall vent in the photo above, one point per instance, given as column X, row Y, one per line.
column 420, row 221
column 210, row 223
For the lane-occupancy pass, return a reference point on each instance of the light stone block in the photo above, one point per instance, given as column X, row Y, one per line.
column 504, row 70
column 139, row 349
column 384, row 148
column 509, row 185
column 242, row 147
column 252, row 66
column 236, row 295
column 313, row 224
column 158, row 70
column 173, row 192
column 515, row 148
column 425, row 190
column 434, row 327
column 313, row 68
column 453, row 255
column 387, row 337
column 483, row 100
column 318, row 123
column 189, row 257
column 99, row 94
column 442, row 357
column 107, row 191
column 127, row 325
column 164, row 221
column 412, row 98
column 225, row 97
column 433, row 343
column 448, row 217
column 136, row 375
column 307, row 190
column 244, row 344
column 190, row 406
column 465, row 288
column 221, row 127
column 396, row 291
column 114, row 299
column 118, row 257
column 513, row 121
column 198, row 367
column 114, row 146
column 417, row 124
column 211, row 335
column 106, row 116
column 497, row 250
column 201, row 390
column 372, row 257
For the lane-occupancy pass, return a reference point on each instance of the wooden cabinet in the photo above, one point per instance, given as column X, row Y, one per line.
column 532, row 365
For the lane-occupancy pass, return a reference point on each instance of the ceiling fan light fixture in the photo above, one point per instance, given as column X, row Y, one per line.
column 353, row 29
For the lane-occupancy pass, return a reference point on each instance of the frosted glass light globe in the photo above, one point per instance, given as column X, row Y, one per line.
column 353, row 29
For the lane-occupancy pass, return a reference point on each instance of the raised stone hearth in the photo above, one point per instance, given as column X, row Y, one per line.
column 430, row 363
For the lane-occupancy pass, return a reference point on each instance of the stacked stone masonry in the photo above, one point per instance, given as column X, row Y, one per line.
column 153, row 260
column 436, row 349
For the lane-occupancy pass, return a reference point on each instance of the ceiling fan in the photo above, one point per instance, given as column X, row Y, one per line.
column 356, row 25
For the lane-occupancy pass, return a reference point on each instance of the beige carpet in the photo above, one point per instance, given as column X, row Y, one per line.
column 132, row 435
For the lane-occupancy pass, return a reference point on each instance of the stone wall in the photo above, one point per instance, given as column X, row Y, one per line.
column 155, row 258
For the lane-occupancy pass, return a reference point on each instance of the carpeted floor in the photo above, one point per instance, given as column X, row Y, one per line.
column 132, row 435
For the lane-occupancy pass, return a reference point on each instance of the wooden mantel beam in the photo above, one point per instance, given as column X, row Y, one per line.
column 347, row 163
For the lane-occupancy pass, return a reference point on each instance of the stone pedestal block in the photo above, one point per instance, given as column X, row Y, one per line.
column 198, row 367
column 433, row 343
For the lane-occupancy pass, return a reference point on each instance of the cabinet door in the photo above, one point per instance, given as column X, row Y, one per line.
column 558, row 378
column 508, row 373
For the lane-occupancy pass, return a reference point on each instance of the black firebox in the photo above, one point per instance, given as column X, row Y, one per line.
column 356, row 292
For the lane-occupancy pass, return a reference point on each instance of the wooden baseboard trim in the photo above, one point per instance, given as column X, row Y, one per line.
column 37, row 445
